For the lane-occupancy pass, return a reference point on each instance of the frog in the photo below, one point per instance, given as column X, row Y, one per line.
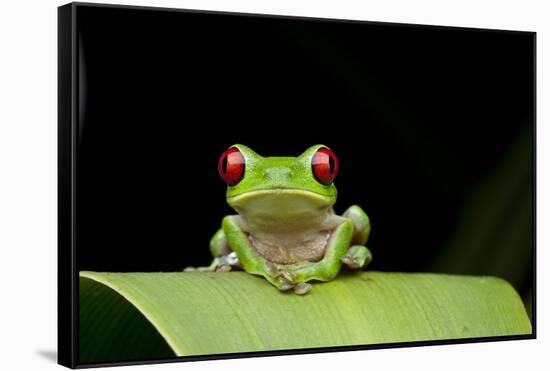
column 285, row 228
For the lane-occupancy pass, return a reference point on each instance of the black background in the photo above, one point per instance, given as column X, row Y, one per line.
column 421, row 118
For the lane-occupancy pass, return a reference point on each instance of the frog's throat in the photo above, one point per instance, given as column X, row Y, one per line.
column 314, row 198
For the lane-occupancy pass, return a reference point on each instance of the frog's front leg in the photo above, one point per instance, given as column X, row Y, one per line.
column 361, row 224
column 251, row 261
column 358, row 255
column 224, row 260
column 328, row 267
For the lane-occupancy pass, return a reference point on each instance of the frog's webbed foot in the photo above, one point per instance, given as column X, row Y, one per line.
column 276, row 277
column 224, row 263
column 302, row 288
column 357, row 257
column 361, row 224
column 285, row 279
column 297, row 276
column 227, row 263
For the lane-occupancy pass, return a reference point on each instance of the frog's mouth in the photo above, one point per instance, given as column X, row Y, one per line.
column 280, row 202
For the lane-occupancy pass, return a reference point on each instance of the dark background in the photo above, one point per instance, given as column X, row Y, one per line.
column 433, row 128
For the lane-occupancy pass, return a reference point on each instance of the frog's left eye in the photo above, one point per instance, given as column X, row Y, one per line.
column 324, row 165
column 231, row 166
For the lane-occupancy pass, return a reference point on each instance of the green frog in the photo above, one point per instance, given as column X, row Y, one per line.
column 286, row 229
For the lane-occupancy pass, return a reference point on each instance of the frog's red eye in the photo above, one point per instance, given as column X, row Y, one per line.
column 324, row 165
column 231, row 166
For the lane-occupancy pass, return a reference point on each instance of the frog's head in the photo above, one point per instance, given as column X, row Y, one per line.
column 279, row 184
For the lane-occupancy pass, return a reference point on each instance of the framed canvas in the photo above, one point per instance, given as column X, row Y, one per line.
column 236, row 185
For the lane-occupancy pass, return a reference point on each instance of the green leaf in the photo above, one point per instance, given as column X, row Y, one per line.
column 132, row 316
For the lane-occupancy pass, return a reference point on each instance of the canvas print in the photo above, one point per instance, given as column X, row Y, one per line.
column 237, row 184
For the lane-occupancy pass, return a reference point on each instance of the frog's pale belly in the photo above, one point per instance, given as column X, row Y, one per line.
column 292, row 240
column 286, row 226
column 289, row 249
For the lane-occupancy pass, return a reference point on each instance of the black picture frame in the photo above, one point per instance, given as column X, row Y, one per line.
column 68, row 127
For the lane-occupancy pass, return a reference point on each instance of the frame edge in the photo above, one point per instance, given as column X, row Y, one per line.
column 66, row 298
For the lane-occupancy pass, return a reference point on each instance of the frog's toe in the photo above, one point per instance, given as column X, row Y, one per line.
column 357, row 257
column 350, row 262
column 285, row 285
column 289, row 276
column 302, row 288
column 190, row 269
column 271, row 269
column 223, row 268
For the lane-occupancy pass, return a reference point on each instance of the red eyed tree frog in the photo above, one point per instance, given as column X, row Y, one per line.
column 286, row 229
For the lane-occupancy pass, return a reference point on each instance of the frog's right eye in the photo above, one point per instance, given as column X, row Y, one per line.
column 231, row 166
column 324, row 165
